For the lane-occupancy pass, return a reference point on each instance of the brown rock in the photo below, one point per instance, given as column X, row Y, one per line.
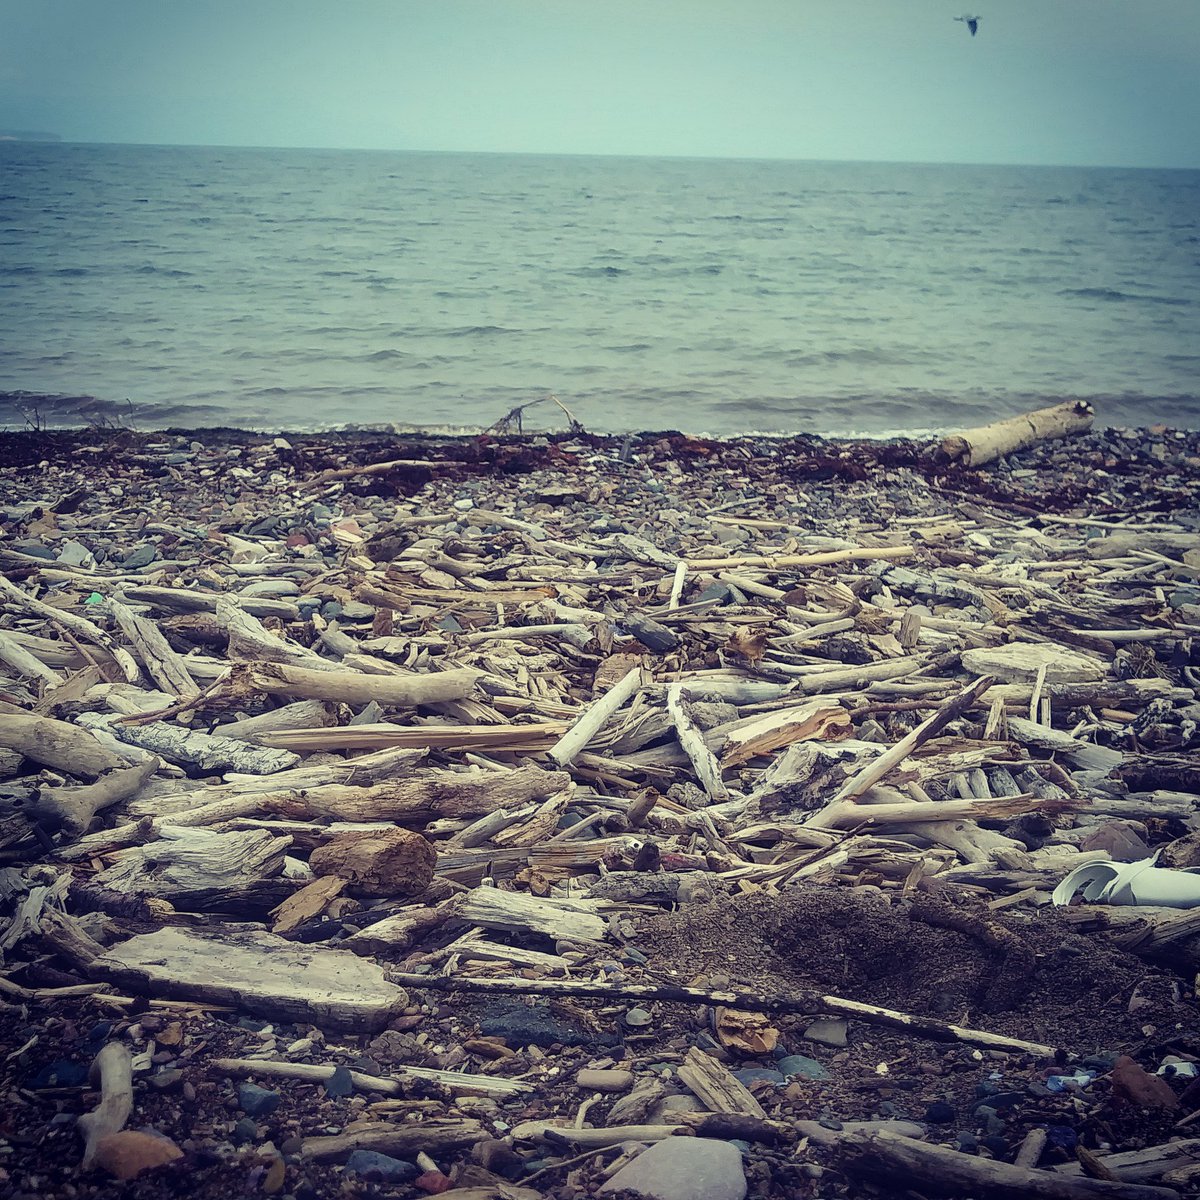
column 1120, row 839
column 1137, row 1087
column 128, row 1153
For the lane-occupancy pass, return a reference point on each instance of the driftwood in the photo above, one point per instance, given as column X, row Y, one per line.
column 977, row 447
column 716, row 1086
column 574, row 920
column 197, row 869
column 258, row 973
column 206, row 752
column 394, row 862
column 56, row 744
column 162, row 664
column 458, row 1082
column 403, row 1141
column 593, row 720
column 353, row 687
column 805, row 1002
column 938, row 1168
column 112, row 1071
column 74, row 808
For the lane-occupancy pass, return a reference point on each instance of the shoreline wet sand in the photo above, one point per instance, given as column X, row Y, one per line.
column 298, row 732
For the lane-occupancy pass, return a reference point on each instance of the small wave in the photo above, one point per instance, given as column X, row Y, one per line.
column 384, row 356
column 168, row 272
column 598, row 272
column 477, row 331
column 1113, row 294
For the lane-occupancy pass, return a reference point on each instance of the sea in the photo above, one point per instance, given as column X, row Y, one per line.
column 288, row 289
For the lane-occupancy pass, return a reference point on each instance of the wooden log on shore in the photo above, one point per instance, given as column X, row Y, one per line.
column 354, row 687
column 57, row 744
column 74, row 809
column 986, row 443
column 942, row 1170
column 394, row 862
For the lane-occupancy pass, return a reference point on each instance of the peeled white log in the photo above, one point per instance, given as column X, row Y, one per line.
column 975, row 447
column 594, row 718
column 25, row 663
column 573, row 920
column 56, row 744
column 167, row 668
column 708, row 770
column 353, row 687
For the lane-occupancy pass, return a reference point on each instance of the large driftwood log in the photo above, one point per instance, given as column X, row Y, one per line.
column 985, row 444
column 198, row 870
column 421, row 796
column 392, row 862
column 940, row 1169
column 354, row 687
column 716, row 1086
column 205, row 751
column 25, row 663
column 57, row 744
column 304, row 714
column 574, row 920
column 258, row 973
column 594, row 718
column 249, row 639
column 74, row 808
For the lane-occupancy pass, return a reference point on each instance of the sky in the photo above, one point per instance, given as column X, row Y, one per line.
column 1088, row 82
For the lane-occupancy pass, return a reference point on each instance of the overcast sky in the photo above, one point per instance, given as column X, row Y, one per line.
column 1104, row 82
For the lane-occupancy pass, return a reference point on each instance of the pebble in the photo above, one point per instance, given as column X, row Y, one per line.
column 339, row 1083
column 126, row 1154
column 256, row 1101
column 802, row 1065
column 827, row 1031
column 684, row 1169
column 939, row 1113
column 373, row 1165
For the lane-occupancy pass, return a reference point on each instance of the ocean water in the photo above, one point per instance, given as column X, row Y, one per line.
column 294, row 289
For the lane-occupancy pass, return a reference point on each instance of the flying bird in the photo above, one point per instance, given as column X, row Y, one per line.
column 972, row 24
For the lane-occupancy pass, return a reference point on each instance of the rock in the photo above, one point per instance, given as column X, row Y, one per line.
column 534, row 1025
column 165, row 1079
column 244, row 1131
column 749, row 1075
column 680, row 1168
column 1136, row 1087
column 1120, row 839
column 141, row 556
column 126, row 1154
column 605, row 1081
column 939, row 1113
column 340, row 1083
column 382, row 1167
column 827, row 1031
column 60, row 1073
column 802, row 1065
column 256, row 1101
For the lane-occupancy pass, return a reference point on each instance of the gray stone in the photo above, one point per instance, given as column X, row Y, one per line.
column 244, row 1131
column 141, row 556
column 749, row 1075
column 374, row 1165
column 802, row 1065
column 679, row 1168
column 255, row 1101
column 340, row 1083
column 827, row 1031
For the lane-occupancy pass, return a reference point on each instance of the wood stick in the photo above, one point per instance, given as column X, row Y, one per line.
column 779, row 561
column 76, row 808
column 80, row 626
column 389, row 1085
column 708, row 770
column 400, row 1140
column 25, row 662
column 877, row 768
column 594, row 718
column 949, row 1171
column 112, row 1068
column 808, row 1002
column 353, row 687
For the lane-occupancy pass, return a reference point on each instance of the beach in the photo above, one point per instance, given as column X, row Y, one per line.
column 397, row 815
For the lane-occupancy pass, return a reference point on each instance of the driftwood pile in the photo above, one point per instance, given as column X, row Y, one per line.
column 402, row 728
